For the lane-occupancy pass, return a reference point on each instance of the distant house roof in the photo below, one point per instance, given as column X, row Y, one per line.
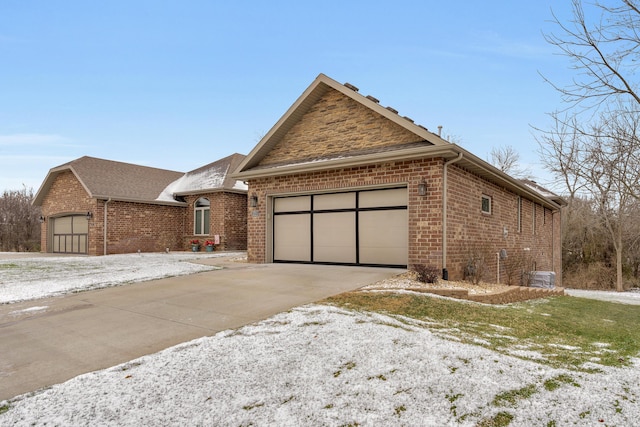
column 544, row 191
column 108, row 179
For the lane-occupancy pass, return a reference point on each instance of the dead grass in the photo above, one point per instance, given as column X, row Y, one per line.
column 562, row 331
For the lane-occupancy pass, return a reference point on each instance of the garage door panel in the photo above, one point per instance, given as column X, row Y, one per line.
column 292, row 204
column 334, row 201
column 63, row 225
column 293, row 242
column 384, row 237
column 382, row 198
column 355, row 227
column 334, row 237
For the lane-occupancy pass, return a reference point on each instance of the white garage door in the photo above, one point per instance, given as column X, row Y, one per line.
column 367, row 227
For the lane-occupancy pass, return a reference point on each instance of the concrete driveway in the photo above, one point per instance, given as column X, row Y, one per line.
column 51, row 340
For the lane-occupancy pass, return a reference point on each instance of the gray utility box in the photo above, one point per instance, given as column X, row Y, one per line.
column 542, row 279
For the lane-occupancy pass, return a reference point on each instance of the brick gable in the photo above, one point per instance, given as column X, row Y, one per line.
column 336, row 125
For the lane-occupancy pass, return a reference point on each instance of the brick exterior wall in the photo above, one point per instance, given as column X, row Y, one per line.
column 468, row 228
column 340, row 125
column 336, row 124
column 139, row 226
column 228, row 220
column 535, row 245
column 66, row 197
column 142, row 226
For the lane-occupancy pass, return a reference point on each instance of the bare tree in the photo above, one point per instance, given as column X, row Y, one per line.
column 507, row 159
column 19, row 226
column 600, row 162
column 597, row 155
column 604, row 52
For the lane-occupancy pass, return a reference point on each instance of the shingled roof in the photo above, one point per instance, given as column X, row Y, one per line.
column 215, row 176
column 108, row 179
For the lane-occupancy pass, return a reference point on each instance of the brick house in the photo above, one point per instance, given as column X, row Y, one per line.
column 148, row 209
column 341, row 179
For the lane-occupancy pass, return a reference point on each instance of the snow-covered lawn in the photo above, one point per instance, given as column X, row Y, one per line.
column 39, row 277
column 315, row 365
column 321, row 365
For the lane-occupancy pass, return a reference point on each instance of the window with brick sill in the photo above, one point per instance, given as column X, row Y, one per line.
column 201, row 213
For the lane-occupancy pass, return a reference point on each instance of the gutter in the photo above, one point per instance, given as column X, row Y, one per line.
column 445, row 273
column 104, row 228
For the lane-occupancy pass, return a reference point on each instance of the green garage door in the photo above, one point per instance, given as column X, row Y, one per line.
column 70, row 234
column 367, row 227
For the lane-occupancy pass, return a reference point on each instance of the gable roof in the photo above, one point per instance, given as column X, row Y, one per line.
column 309, row 97
column 215, row 176
column 108, row 179
column 428, row 145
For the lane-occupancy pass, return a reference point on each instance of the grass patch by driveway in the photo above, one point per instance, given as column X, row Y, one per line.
column 564, row 332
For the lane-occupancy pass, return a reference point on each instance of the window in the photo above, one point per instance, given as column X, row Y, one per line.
column 201, row 217
column 486, row 204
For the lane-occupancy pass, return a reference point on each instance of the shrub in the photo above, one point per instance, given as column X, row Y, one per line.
column 477, row 267
column 426, row 273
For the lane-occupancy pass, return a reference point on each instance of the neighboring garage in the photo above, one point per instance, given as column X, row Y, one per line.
column 366, row 227
column 69, row 234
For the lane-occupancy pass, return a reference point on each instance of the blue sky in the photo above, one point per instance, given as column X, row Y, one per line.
column 178, row 84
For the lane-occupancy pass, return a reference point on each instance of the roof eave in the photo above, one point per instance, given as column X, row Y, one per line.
column 134, row 200
column 346, row 162
column 211, row 190
column 449, row 151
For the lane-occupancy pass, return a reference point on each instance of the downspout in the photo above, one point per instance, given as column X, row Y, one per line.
column 104, row 227
column 445, row 273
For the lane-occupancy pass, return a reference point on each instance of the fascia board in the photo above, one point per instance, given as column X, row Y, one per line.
column 347, row 162
column 132, row 200
column 48, row 182
column 209, row 191
column 449, row 151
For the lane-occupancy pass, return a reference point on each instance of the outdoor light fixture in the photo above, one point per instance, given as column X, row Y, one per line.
column 253, row 201
column 89, row 216
column 41, row 219
column 422, row 188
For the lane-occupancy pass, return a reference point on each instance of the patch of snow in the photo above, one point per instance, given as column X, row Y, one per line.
column 629, row 297
column 321, row 365
column 199, row 180
column 500, row 327
column 29, row 310
column 32, row 278
column 564, row 347
column 601, row 344
column 240, row 185
column 527, row 354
